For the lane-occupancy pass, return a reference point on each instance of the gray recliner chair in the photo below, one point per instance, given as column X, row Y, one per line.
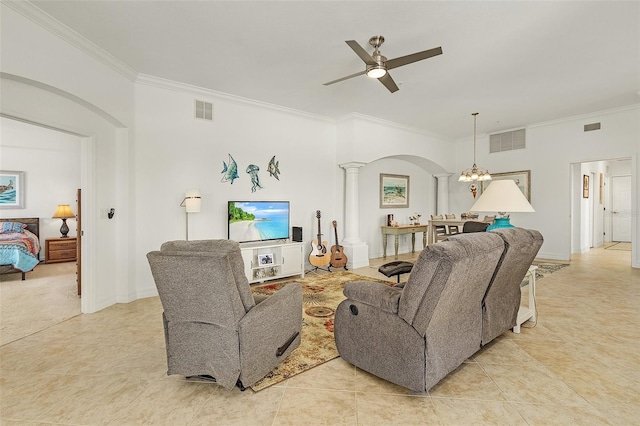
column 415, row 335
column 213, row 325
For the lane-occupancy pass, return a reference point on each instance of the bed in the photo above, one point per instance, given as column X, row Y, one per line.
column 19, row 245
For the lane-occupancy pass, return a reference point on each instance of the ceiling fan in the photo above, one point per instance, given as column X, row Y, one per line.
column 378, row 65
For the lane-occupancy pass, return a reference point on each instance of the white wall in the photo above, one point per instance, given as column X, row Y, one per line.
column 51, row 162
column 372, row 217
column 551, row 149
column 175, row 152
column 32, row 51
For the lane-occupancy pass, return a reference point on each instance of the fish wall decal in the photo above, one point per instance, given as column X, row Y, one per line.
column 273, row 168
column 230, row 171
column 253, row 170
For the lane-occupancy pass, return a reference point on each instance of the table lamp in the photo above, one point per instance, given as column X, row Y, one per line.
column 502, row 196
column 63, row 212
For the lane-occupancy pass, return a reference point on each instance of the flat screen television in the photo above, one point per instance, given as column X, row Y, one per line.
column 251, row 221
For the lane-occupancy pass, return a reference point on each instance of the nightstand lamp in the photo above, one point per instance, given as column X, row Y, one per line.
column 502, row 196
column 63, row 212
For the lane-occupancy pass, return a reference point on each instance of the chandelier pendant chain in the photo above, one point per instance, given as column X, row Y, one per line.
column 475, row 121
column 475, row 173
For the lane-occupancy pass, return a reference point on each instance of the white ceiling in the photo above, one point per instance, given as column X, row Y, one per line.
column 514, row 62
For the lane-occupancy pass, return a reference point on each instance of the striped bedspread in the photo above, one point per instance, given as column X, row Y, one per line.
column 19, row 249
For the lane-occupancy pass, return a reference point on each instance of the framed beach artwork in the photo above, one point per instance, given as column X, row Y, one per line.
column 394, row 191
column 522, row 178
column 11, row 189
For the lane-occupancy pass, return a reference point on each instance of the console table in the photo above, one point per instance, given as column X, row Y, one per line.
column 526, row 313
column 401, row 230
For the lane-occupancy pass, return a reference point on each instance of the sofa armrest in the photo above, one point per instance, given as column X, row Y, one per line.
column 269, row 332
column 374, row 294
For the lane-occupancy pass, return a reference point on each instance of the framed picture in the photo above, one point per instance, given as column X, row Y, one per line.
column 585, row 186
column 522, row 178
column 394, row 191
column 11, row 189
column 601, row 188
column 265, row 259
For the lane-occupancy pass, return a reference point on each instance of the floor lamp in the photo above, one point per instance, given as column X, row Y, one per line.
column 502, row 196
column 191, row 203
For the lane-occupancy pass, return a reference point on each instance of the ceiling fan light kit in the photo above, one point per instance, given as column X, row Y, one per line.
column 377, row 65
column 376, row 71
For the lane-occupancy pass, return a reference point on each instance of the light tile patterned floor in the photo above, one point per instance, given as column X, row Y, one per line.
column 579, row 365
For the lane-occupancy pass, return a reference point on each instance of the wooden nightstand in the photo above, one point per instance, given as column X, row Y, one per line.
column 60, row 250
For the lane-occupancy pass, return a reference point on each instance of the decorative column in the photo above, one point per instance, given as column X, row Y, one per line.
column 442, row 200
column 357, row 251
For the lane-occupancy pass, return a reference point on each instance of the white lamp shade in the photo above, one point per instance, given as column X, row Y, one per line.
column 502, row 196
column 192, row 201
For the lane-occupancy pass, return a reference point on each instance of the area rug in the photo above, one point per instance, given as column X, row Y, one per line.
column 543, row 270
column 321, row 295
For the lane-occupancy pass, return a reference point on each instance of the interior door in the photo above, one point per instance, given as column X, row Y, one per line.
column 621, row 208
column 79, row 240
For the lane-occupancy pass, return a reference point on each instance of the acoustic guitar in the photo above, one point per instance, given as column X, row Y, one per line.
column 319, row 256
column 338, row 258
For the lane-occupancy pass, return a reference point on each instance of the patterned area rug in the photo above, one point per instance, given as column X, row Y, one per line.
column 543, row 270
column 321, row 295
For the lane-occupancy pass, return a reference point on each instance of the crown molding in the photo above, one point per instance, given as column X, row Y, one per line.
column 393, row 124
column 581, row 116
column 46, row 21
column 162, row 83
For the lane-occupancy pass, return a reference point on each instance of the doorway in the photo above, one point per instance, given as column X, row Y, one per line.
column 597, row 185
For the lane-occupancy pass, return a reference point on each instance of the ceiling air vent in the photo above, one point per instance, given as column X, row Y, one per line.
column 204, row 110
column 507, row 141
column 591, row 127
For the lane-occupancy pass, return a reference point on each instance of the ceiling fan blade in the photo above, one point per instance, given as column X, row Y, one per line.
column 415, row 57
column 389, row 83
column 345, row 78
column 361, row 52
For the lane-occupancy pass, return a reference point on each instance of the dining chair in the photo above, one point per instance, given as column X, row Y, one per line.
column 440, row 231
column 452, row 229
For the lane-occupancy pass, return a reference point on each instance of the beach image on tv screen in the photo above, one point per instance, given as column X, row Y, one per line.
column 258, row 220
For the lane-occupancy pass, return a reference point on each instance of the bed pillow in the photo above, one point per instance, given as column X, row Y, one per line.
column 11, row 227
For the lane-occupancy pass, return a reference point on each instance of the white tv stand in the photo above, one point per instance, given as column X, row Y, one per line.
column 286, row 260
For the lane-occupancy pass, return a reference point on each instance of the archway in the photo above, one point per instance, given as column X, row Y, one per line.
column 102, row 136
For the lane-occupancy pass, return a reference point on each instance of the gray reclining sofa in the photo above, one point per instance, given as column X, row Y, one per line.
column 414, row 335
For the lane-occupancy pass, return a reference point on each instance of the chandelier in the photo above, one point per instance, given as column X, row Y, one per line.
column 475, row 173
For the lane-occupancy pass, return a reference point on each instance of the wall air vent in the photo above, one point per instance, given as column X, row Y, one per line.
column 591, row 127
column 204, row 110
column 507, row 141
